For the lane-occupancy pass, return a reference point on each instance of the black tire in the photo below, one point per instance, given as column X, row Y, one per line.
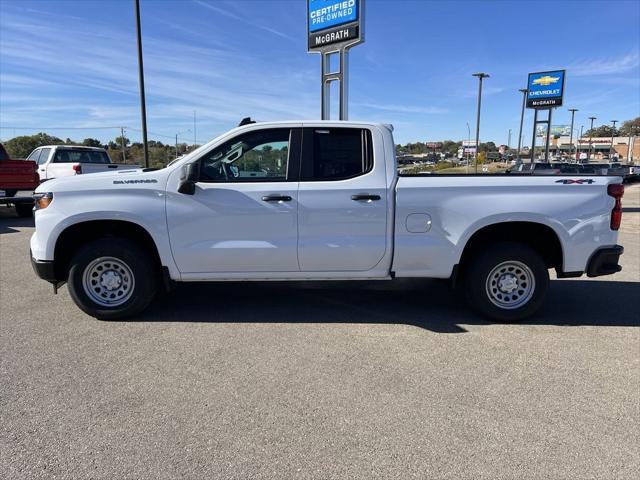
column 125, row 254
column 508, row 296
column 24, row 210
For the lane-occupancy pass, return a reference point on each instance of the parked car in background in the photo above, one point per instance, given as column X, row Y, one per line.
column 17, row 175
column 56, row 161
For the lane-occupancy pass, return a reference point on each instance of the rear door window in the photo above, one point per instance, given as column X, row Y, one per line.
column 336, row 153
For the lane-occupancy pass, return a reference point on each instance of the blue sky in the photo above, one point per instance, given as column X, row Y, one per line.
column 73, row 63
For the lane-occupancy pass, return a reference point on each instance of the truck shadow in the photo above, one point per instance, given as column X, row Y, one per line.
column 427, row 304
column 10, row 221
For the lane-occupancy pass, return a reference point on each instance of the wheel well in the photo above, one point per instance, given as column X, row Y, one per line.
column 537, row 236
column 75, row 236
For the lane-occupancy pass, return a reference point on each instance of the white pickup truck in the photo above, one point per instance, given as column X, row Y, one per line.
column 68, row 160
column 319, row 200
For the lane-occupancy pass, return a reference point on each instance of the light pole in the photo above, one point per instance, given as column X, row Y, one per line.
column 524, row 101
column 573, row 114
column 590, row 138
column 613, row 132
column 578, row 143
column 468, row 145
column 481, row 76
column 143, row 108
column 179, row 133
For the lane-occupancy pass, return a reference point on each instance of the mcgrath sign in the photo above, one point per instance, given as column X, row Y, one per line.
column 330, row 22
column 545, row 89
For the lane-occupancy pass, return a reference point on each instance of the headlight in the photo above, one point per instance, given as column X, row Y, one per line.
column 42, row 200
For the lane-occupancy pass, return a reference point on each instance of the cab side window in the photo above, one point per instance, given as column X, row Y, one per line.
column 336, row 153
column 44, row 155
column 258, row 156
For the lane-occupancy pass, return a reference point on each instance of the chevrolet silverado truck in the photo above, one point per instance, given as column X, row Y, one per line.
column 16, row 176
column 319, row 200
column 69, row 160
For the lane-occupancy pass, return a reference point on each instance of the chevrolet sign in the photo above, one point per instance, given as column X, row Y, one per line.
column 545, row 89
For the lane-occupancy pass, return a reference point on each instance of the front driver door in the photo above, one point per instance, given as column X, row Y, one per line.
column 243, row 214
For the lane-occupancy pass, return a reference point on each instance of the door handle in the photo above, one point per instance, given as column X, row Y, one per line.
column 276, row 198
column 365, row 196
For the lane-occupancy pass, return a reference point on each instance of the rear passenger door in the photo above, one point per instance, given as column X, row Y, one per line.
column 342, row 202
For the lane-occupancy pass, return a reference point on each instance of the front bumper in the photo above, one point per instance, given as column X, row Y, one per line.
column 45, row 269
column 605, row 261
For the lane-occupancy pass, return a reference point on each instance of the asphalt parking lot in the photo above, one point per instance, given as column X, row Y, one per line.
column 320, row 380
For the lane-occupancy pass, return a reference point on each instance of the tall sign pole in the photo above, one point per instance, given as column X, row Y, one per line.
column 333, row 27
column 545, row 91
column 143, row 108
column 524, row 102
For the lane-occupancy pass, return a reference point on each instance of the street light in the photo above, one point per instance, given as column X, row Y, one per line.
column 573, row 114
column 613, row 131
column 468, row 145
column 579, row 142
column 590, row 138
column 480, row 76
column 524, row 101
column 180, row 133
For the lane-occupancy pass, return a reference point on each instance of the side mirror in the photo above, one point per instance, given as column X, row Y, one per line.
column 188, row 179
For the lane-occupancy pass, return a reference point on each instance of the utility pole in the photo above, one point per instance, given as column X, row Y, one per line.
column 590, row 138
column 179, row 133
column 143, row 108
column 124, row 154
column 573, row 114
column 509, row 140
column 194, row 130
column 613, row 132
column 480, row 76
column 524, row 92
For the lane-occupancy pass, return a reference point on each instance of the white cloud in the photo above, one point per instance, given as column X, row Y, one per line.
column 605, row 66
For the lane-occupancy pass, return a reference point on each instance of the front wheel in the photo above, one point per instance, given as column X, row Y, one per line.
column 112, row 278
column 507, row 282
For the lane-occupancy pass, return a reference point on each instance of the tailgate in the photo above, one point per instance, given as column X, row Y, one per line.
column 18, row 174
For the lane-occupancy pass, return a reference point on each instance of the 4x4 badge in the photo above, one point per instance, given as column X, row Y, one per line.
column 569, row 181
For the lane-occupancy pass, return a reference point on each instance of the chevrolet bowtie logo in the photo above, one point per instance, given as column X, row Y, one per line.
column 546, row 80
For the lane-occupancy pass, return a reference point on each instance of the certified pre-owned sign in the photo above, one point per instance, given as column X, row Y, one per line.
column 545, row 89
column 331, row 22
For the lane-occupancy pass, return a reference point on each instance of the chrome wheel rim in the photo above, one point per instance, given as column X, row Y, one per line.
column 510, row 285
column 108, row 281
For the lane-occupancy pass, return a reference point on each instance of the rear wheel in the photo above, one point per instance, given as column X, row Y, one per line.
column 112, row 278
column 507, row 282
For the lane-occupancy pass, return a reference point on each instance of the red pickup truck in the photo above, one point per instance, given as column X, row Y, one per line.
column 15, row 176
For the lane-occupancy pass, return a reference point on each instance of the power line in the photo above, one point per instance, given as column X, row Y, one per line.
column 62, row 128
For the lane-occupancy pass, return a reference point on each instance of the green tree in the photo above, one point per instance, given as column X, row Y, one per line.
column 91, row 142
column 22, row 146
column 601, row 131
column 630, row 127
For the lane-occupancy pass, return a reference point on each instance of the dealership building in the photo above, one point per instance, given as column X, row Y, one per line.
column 627, row 148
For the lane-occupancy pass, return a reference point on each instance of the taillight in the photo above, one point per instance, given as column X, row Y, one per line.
column 616, row 191
column 77, row 168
